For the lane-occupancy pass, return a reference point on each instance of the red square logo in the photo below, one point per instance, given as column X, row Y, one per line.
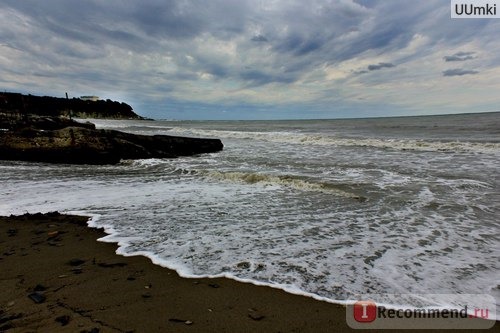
column 365, row 311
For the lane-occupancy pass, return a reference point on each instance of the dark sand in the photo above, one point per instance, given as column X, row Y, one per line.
column 85, row 287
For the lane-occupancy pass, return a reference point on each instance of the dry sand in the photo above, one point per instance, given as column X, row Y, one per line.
column 55, row 277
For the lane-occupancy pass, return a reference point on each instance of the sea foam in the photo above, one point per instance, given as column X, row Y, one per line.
column 276, row 208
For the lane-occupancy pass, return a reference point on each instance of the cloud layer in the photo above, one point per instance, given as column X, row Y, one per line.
column 458, row 72
column 460, row 56
column 252, row 59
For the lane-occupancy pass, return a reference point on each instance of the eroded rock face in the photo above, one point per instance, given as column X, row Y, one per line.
column 81, row 145
column 41, row 123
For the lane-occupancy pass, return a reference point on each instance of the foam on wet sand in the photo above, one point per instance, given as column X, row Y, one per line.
column 56, row 277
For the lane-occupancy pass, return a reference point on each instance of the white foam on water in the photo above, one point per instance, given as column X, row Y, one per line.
column 222, row 229
column 329, row 140
column 276, row 209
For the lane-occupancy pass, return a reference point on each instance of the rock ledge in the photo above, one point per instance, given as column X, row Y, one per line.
column 87, row 145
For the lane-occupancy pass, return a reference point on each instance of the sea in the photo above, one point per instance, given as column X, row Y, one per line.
column 330, row 209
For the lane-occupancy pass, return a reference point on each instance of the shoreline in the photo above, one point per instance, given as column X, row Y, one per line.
column 56, row 277
column 158, row 262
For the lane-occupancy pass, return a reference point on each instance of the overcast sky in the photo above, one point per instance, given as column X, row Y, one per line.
column 237, row 59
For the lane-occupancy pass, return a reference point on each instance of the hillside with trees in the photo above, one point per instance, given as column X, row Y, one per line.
column 15, row 104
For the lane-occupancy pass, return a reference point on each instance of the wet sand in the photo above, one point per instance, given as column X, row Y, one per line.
column 55, row 277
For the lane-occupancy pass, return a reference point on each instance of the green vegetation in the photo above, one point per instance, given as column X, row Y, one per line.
column 15, row 104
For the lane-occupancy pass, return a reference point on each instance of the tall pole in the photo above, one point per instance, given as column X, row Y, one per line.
column 70, row 111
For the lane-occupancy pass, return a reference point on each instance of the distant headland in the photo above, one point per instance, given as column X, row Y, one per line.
column 16, row 104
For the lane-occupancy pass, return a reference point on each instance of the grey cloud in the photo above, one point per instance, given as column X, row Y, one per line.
column 259, row 38
column 375, row 67
column 254, row 43
column 295, row 28
column 57, row 25
column 460, row 56
column 296, row 31
column 380, row 66
column 128, row 22
column 458, row 72
column 299, row 45
column 374, row 30
column 168, row 19
column 457, row 58
column 258, row 78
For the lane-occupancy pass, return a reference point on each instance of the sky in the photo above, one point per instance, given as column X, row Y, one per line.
column 253, row 59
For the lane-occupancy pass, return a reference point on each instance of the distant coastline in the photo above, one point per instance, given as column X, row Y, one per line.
column 19, row 105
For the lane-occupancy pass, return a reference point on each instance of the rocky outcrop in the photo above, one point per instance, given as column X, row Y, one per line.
column 80, row 145
column 41, row 123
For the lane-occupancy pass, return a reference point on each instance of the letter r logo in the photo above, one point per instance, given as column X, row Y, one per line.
column 365, row 311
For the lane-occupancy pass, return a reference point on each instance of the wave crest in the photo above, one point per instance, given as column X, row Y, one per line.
column 281, row 180
column 328, row 140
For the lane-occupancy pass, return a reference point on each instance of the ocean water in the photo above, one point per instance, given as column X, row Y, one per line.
column 326, row 208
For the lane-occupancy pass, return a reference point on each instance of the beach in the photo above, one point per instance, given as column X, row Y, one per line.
column 309, row 214
column 56, row 277
column 87, row 286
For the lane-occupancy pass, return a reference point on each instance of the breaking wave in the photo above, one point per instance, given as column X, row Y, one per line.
column 329, row 140
column 282, row 180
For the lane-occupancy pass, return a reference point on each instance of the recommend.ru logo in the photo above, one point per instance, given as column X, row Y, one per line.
column 464, row 312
